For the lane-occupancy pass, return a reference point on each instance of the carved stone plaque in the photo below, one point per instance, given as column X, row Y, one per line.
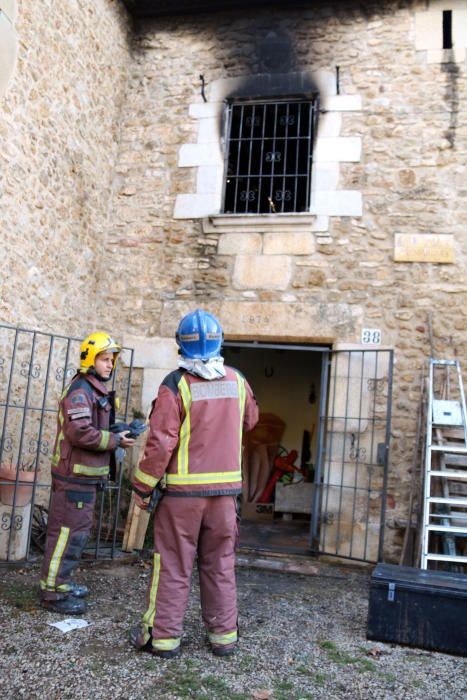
column 424, row 247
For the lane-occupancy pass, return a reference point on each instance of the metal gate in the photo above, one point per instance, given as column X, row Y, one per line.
column 35, row 367
column 348, row 512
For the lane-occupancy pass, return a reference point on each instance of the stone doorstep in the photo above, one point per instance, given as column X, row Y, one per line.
column 303, row 564
column 274, row 561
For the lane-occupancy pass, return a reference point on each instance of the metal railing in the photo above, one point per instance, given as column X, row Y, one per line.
column 35, row 368
column 351, row 474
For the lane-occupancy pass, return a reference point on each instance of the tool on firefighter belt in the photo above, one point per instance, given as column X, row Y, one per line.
column 134, row 429
column 156, row 496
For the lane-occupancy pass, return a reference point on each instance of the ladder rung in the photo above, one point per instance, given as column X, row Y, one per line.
column 454, row 501
column 446, row 557
column 448, row 528
column 455, row 460
column 448, row 473
column 443, row 363
column 449, row 449
column 452, row 432
column 454, row 519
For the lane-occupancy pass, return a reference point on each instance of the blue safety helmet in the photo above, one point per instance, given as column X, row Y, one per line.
column 199, row 335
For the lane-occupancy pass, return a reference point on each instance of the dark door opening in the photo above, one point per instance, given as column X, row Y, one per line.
column 280, row 453
column 316, row 465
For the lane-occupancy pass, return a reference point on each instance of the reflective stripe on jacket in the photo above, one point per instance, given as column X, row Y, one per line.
column 195, row 434
column 84, row 445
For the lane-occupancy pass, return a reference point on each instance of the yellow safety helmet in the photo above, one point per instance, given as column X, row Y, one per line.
column 92, row 346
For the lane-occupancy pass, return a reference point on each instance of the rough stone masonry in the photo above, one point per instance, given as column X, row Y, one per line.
column 110, row 191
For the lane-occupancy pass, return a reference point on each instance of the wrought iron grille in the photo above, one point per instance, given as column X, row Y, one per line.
column 269, row 151
column 349, row 510
column 35, row 367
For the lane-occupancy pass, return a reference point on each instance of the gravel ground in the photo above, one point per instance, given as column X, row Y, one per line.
column 302, row 636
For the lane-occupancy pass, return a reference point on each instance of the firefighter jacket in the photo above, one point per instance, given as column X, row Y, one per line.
column 84, row 445
column 195, row 435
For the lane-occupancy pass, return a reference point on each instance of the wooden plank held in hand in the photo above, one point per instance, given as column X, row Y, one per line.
column 129, row 517
column 137, row 520
column 135, row 528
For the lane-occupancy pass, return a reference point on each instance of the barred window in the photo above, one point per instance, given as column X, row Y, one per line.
column 269, row 151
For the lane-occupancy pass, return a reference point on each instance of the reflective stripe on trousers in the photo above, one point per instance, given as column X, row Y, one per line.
column 70, row 521
column 183, row 528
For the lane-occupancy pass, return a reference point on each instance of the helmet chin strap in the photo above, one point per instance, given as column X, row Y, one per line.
column 92, row 370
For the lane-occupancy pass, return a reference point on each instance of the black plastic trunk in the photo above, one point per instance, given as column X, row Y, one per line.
column 426, row 609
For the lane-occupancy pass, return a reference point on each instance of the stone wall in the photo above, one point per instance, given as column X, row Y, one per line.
column 58, row 142
column 294, row 282
column 103, row 190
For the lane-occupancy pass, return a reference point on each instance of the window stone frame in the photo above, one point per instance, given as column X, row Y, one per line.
column 331, row 149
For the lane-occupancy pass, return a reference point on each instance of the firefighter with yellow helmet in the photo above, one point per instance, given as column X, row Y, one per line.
column 82, row 460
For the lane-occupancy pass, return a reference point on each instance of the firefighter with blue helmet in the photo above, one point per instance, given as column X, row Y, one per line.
column 199, row 336
column 195, row 447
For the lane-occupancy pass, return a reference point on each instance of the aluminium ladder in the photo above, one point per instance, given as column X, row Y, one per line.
column 445, row 488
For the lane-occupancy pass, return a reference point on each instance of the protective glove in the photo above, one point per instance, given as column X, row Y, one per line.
column 133, row 429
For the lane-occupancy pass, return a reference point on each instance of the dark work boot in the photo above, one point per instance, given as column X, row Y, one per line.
column 223, row 649
column 66, row 606
column 166, row 653
column 137, row 635
column 78, row 591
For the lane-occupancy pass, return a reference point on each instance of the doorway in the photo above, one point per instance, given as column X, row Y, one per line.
column 316, row 465
column 280, row 453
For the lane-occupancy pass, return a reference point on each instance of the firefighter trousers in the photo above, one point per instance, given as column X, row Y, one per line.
column 186, row 527
column 70, row 521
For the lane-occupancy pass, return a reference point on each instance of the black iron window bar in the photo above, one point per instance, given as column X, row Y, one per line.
column 268, row 156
